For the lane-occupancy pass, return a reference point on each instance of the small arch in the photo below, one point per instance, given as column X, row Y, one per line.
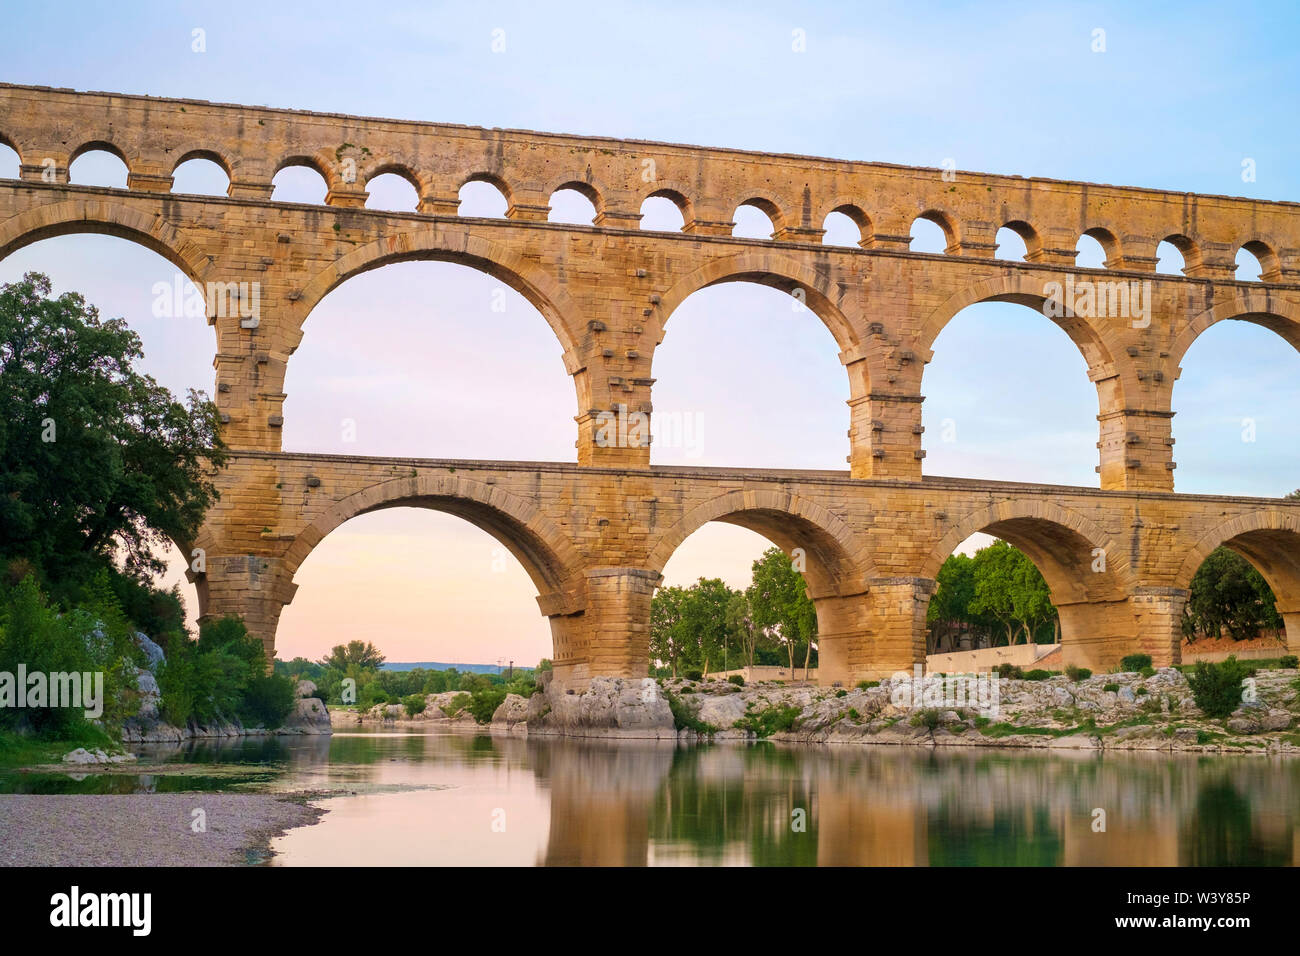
column 1177, row 255
column 300, row 179
column 10, row 162
column 1097, row 248
column 574, row 203
column 484, row 196
column 201, row 173
column 392, row 191
column 757, row 218
column 933, row 232
column 664, row 211
column 1018, row 240
column 1257, row 262
column 98, row 163
column 846, row 225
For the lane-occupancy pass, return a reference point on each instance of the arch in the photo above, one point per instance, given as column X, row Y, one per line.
column 1029, row 235
column 211, row 155
column 100, row 146
column 590, row 189
column 1061, row 543
column 855, row 214
column 392, row 192
column 305, row 162
column 1259, row 306
column 1187, row 248
column 840, row 562
column 951, row 232
column 6, row 140
column 451, row 243
column 1110, row 246
column 1098, row 345
column 201, row 163
column 493, row 180
column 109, row 218
column 1269, row 540
column 772, row 269
column 547, row 555
column 7, row 148
column 770, row 205
column 678, row 200
column 400, row 170
column 1270, row 266
column 569, row 210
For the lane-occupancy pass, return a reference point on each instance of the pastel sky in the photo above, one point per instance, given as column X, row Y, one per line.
column 1181, row 96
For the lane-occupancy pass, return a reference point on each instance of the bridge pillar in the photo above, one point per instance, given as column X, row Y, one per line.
column 610, row 635
column 252, row 586
column 872, row 635
column 1098, row 634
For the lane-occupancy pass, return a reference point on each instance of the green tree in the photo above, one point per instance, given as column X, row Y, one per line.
column 361, row 653
column 96, row 459
column 949, row 608
column 1010, row 589
column 778, row 598
column 1229, row 595
column 703, row 622
column 665, row 629
column 740, row 627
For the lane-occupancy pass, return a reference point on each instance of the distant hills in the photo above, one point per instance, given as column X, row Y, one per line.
column 438, row 666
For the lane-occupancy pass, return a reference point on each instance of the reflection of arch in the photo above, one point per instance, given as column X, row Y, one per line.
column 104, row 217
column 1258, row 306
column 1060, row 543
column 1098, row 345
column 839, row 563
column 546, row 554
column 1270, row 540
column 452, row 244
column 777, row 271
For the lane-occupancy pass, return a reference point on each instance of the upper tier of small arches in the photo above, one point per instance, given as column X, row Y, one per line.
column 700, row 192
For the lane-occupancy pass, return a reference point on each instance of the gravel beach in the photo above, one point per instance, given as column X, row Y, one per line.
column 144, row 829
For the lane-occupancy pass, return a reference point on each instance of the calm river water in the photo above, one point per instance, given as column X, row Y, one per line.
column 450, row 799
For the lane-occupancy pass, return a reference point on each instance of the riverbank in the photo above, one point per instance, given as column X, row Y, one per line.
column 146, row 829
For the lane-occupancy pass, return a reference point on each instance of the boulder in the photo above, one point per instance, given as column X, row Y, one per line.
column 609, row 707
column 512, row 715
column 83, row 756
column 306, row 688
column 721, row 710
column 152, row 651
column 309, row 716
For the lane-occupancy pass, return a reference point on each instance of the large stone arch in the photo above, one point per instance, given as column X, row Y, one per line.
column 1098, row 344
column 777, row 270
column 839, row 561
column 547, row 555
column 103, row 216
column 1259, row 306
column 452, row 242
column 1062, row 544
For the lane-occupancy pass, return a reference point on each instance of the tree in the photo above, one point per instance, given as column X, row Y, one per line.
column 96, row 460
column 1228, row 594
column 703, row 620
column 778, row 598
column 1010, row 589
column 360, row 653
column 665, row 618
column 740, row 626
column 949, row 608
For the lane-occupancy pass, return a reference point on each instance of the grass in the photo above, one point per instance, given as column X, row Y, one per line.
column 18, row 750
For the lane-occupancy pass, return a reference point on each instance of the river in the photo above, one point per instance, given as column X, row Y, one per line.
column 451, row 799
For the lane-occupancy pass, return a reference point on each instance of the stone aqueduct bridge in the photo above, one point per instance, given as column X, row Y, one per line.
column 595, row 533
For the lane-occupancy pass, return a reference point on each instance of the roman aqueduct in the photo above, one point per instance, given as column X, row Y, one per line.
column 594, row 533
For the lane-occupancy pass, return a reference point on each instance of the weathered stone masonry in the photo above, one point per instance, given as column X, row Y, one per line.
column 594, row 534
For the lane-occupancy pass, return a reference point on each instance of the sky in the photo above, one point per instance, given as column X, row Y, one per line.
column 1180, row 96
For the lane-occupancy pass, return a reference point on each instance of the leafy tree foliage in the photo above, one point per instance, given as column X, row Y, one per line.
column 1229, row 596
column 96, row 459
column 997, row 594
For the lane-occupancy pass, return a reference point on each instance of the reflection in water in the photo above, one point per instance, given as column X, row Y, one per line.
column 406, row 799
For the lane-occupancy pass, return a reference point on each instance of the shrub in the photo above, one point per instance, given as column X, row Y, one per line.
column 693, row 675
column 483, row 703
column 1010, row 672
column 929, row 719
column 1134, row 662
column 684, row 716
column 1077, row 673
column 1038, row 674
column 1148, row 671
column 455, row 705
column 1112, row 688
column 267, row 700
column 1217, row 687
column 767, row 722
column 868, row 684
column 414, row 704
column 841, row 693
column 737, row 680
column 1289, row 661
